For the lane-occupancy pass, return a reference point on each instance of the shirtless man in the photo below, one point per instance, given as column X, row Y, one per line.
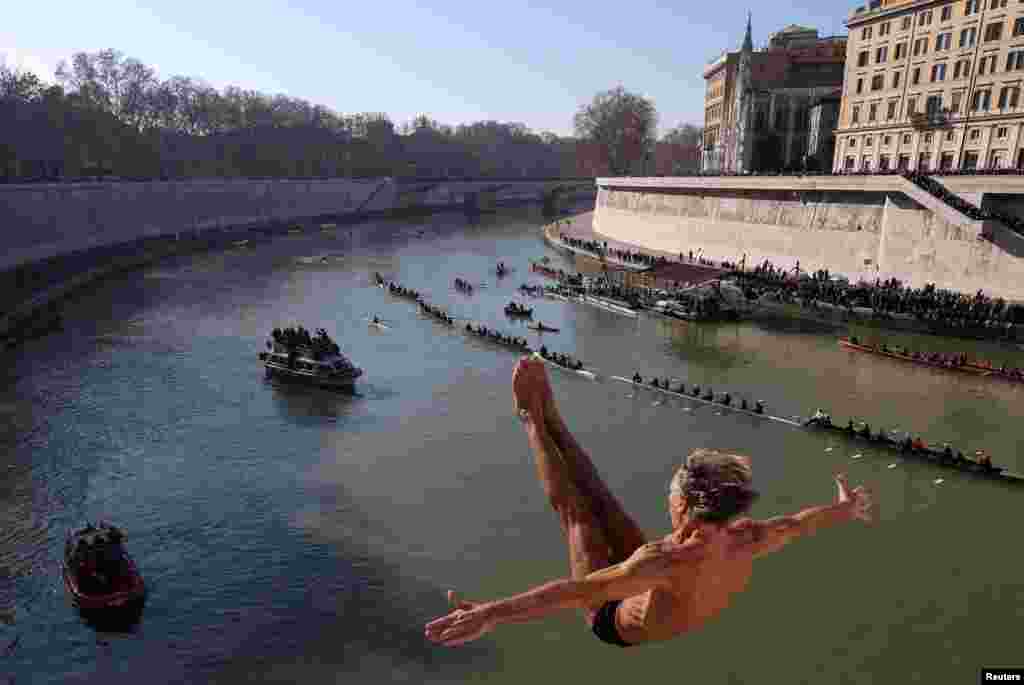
column 633, row 591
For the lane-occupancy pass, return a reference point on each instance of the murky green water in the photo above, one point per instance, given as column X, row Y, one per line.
column 291, row 535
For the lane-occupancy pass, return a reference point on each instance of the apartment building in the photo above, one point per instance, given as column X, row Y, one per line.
column 933, row 85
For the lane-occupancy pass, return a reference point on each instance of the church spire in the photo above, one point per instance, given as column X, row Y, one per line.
column 748, row 42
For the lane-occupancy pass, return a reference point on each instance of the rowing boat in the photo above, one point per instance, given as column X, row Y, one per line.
column 378, row 324
column 931, row 455
column 730, row 407
column 579, row 372
column 975, row 370
column 541, row 328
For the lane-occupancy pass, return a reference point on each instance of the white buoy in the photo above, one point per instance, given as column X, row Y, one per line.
column 857, row 456
column 939, row 481
column 829, row 449
column 893, row 465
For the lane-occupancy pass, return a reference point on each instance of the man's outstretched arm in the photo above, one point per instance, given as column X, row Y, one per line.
column 775, row 533
column 652, row 566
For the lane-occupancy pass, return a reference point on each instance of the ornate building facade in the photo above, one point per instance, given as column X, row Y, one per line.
column 933, row 85
column 758, row 102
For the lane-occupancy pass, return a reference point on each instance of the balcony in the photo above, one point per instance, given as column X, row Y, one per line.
column 938, row 118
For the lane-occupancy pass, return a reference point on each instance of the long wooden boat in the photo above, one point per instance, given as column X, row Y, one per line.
column 586, row 373
column 967, row 368
column 933, row 456
column 728, row 407
column 992, row 372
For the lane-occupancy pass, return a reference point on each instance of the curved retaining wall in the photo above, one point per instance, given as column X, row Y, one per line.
column 856, row 234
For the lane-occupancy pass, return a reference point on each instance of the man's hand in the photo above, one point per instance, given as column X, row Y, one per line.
column 466, row 623
column 859, row 499
column 530, row 388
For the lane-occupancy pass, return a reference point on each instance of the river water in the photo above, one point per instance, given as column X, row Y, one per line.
column 297, row 535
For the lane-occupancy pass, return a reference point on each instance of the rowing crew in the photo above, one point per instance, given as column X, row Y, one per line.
column 496, row 336
column 437, row 313
column 947, row 360
column 707, row 396
column 464, row 286
column 514, row 309
column 502, row 269
column 907, row 444
column 562, row 360
column 396, row 289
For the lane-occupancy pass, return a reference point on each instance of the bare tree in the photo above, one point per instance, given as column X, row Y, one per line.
column 622, row 123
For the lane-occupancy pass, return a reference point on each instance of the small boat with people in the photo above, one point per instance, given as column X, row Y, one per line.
column 97, row 571
column 437, row 313
column 502, row 270
column 375, row 322
column 515, row 309
column 464, row 286
column 294, row 354
column 534, row 290
column 934, row 360
column 946, row 457
column 541, row 328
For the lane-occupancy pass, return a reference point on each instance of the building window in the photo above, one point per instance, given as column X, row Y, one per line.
column 886, row 140
column 904, row 163
column 853, row 142
column 896, row 78
column 927, row 138
column 968, row 37
column 995, row 159
column 849, row 164
column 920, row 46
column 939, row 72
column 862, row 58
column 911, row 105
column 924, row 18
column 981, row 100
column 933, row 105
column 915, row 76
column 872, row 112
column 943, row 41
column 994, row 31
column 1018, row 26
column 883, row 163
column 891, row 113
column 962, row 69
column 877, row 82
column 970, row 160
column 865, row 164
column 906, row 24
column 1001, row 132
column 987, row 64
column 947, row 13
column 950, row 135
column 1014, row 96
column 946, row 161
column 860, row 86
column 901, row 51
column 906, row 139
column 868, row 141
column 882, row 54
column 997, row 4
column 1004, row 97
column 975, row 133
column 972, row 7
column 954, row 107
column 1015, row 60
column 855, row 115
column 922, row 161
column 865, row 33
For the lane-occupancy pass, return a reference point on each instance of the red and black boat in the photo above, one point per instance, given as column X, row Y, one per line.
column 98, row 573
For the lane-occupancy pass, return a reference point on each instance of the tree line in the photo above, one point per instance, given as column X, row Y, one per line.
column 111, row 115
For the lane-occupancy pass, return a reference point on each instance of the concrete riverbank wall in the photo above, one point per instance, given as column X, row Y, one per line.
column 871, row 233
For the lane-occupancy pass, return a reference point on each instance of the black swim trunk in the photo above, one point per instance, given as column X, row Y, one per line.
column 604, row 624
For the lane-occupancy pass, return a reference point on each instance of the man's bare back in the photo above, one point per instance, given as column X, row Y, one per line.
column 634, row 590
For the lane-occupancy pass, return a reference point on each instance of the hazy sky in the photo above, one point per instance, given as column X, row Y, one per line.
column 454, row 60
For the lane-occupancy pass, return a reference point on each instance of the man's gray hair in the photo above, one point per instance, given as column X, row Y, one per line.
column 715, row 485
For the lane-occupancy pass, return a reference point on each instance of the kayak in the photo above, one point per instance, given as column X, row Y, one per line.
column 542, row 328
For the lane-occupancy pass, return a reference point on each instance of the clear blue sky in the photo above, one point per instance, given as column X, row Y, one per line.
column 454, row 60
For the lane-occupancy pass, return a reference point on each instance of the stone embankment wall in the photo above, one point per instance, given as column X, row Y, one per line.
column 855, row 234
